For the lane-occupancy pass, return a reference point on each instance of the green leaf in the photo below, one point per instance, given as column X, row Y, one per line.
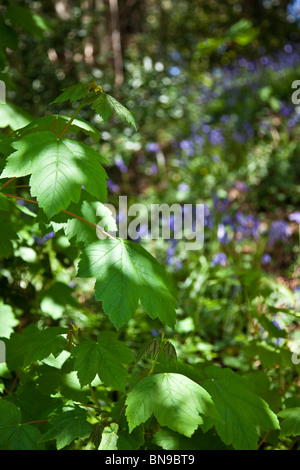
column 126, row 273
column 76, row 229
column 242, row 410
column 68, row 426
column 7, row 320
column 31, row 21
column 13, row 434
column 58, row 168
column 55, row 300
column 105, row 105
column 4, row 206
column 8, row 36
column 34, row 405
column 7, row 234
column 175, row 401
column 12, row 116
column 150, row 349
column 290, row 425
column 109, row 438
column 104, row 358
column 56, row 123
column 23, row 349
column 73, row 93
column 171, row 440
column 170, row 353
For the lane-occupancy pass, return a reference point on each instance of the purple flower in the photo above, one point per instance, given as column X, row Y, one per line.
column 174, row 70
column 152, row 147
column 240, row 186
column 42, row 240
column 247, row 225
column 48, row 235
column 112, row 187
column 266, row 259
column 183, row 188
column 279, row 231
column 121, row 165
column 219, row 258
column 188, row 146
column 220, row 205
column 172, row 260
column 208, row 219
column 295, row 217
column 216, row 137
column 222, row 234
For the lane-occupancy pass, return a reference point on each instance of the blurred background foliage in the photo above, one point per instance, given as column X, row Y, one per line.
column 209, row 85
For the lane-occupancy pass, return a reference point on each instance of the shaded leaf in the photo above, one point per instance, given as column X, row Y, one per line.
column 126, row 273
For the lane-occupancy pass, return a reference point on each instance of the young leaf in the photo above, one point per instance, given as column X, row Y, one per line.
column 175, row 401
column 58, row 168
column 68, row 426
column 104, row 358
column 13, row 434
column 170, row 353
column 150, row 349
column 105, row 105
column 242, row 410
column 109, row 438
column 73, row 93
column 126, row 273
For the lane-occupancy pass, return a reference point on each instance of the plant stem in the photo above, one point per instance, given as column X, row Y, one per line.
column 7, row 182
column 71, row 120
column 264, row 438
column 294, row 442
column 94, row 397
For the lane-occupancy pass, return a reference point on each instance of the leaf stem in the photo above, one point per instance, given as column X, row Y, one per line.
column 294, row 442
column 71, row 119
column 62, row 210
column 264, row 438
column 94, row 397
column 9, row 181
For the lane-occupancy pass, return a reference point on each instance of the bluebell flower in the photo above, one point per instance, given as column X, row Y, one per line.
column 174, row 71
column 183, row 188
column 188, row 146
column 295, row 217
column 279, row 230
column 112, row 187
column 222, row 234
column 216, row 137
column 152, row 147
column 172, row 260
column 208, row 218
column 219, row 259
column 266, row 259
column 121, row 165
column 220, row 205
